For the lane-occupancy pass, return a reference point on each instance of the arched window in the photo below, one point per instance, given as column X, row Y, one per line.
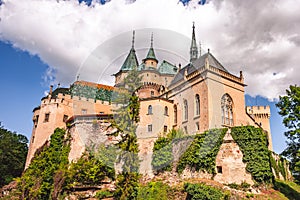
column 227, row 110
column 175, row 114
column 149, row 110
column 197, row 105
column 166, row 110
column 185, row 110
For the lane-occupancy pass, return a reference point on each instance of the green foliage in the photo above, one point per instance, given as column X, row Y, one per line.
column 243, row 186
column 103, row 194
column 279, row 166
column 13, row 152
column 162, row 151
column 200, row 191
column 91, row 92
column 88, row 171
column 153, row 191
column 127, row 186
column 289, row 189
column 289, row 106
column 201, row 154
column 125, row 120
column 37, row 181
column 253, row 144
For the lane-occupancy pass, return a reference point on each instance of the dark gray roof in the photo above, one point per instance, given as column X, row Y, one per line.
column 197, row 64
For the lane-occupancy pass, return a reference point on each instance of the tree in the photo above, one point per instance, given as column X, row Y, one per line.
column 126, row 118
column 13, row 152
column 289, row 106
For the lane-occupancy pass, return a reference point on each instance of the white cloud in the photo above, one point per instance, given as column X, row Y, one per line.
column 259, row 37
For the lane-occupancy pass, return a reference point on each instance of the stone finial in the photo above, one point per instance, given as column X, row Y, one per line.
column 179, row 67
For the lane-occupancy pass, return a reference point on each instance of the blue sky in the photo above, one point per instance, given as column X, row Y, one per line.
column 46, row 42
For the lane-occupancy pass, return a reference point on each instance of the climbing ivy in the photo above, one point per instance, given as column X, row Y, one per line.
column 201, row 155
column 162, row 151
column 254, row 145
column 47, row 167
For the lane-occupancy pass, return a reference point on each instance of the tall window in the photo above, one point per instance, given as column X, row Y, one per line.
column 47, row 116
column 175, row 114
column 197, row 105
column 185, row 110
column 150, row 128
column 149, row 110
column 166, row 110
column 227, row 110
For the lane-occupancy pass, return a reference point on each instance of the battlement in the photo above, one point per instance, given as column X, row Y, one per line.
column 66, row 99
column 259, row 111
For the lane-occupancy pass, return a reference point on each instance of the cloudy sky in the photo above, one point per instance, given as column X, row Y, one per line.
column 52, row 41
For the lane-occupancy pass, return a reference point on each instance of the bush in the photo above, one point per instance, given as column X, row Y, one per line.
column 103, row 194
column 200, row 191
column 154, row 190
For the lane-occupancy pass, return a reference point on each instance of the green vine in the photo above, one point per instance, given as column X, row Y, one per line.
column 47, row 167
column 254, row 145
column 201, row 155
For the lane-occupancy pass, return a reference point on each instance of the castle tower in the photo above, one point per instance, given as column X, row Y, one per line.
column 261, row 115
column 194, row 48
column 150, row 61
column 130, row 62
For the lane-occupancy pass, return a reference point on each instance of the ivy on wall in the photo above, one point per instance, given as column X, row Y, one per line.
column 202, row 153
column 279, row 166
column 46, row 169
column 162, row 158
column 254, row 145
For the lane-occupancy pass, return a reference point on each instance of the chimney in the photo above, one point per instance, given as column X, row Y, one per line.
column 179, row 67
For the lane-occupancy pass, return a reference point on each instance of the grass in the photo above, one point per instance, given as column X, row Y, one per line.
column 289, row 189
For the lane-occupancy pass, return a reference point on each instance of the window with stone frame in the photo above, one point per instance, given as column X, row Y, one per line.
column 227, row 110
column 185, row 110
column 175, row 114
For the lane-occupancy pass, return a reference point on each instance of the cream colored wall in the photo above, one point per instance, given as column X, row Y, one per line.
column 188, row 91
column 217, row 87
column 150, row 63
column 158, row 119
column 57, row 108
column 261, row 115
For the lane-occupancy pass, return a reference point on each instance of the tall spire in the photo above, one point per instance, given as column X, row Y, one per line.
column 151, row 54
column 194, row 48
column 133, row 37
column 131, row 60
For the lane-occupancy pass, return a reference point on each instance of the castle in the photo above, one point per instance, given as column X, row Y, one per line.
column 200, row 96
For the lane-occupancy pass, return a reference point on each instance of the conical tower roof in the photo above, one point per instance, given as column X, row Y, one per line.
column 131, row 60
column 151, row 54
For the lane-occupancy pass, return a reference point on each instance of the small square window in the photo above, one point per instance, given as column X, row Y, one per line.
column 150, row 128
column 84, row 111
column 219, row 169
